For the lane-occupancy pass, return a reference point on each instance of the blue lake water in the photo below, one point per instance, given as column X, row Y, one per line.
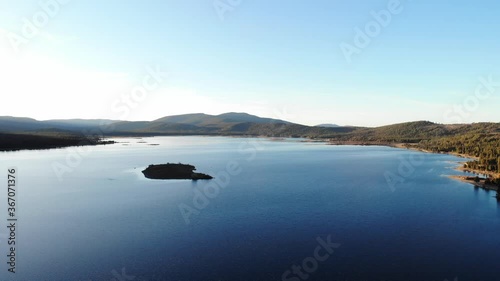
column 98, row 218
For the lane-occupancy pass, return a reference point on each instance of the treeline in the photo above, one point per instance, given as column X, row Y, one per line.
column 486, row 147
column 45, row 140
column 478, row 140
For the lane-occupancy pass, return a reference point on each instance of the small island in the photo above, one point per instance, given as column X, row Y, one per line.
column 174, row 172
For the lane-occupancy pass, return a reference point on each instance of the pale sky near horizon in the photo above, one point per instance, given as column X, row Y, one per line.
column 278, row 59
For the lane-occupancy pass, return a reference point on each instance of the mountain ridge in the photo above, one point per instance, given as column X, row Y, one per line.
column 237, row 123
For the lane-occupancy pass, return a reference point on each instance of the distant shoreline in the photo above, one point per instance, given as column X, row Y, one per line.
column 464, row 179
column 10, row 142
column 408, row 146
column 460, row 167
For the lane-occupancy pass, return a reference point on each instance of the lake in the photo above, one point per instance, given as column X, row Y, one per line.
column 277, row 210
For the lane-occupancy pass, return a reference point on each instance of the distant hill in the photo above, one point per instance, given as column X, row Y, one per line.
column 193, row 119
column 234, row 117
column 327, row 125
column 79, row 122
column 189, row 124
column 251, row 125
column 9, row 123
column 199, row 123
column 477, row 140
column 22, row 124
column 218, row 121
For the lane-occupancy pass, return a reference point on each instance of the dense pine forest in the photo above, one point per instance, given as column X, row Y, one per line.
column 484, row 147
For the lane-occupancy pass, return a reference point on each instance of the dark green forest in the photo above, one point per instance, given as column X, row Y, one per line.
column 485, row 147
column 45, row 139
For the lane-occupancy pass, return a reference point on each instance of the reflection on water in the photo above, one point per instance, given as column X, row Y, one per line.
column 105, row 216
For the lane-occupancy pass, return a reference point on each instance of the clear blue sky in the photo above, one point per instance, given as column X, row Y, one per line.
column 279, row 59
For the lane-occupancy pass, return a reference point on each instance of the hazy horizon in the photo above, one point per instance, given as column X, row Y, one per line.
column 326, row 123
column 369, row 63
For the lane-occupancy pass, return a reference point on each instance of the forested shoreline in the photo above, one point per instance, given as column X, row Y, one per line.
column 480, row 141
